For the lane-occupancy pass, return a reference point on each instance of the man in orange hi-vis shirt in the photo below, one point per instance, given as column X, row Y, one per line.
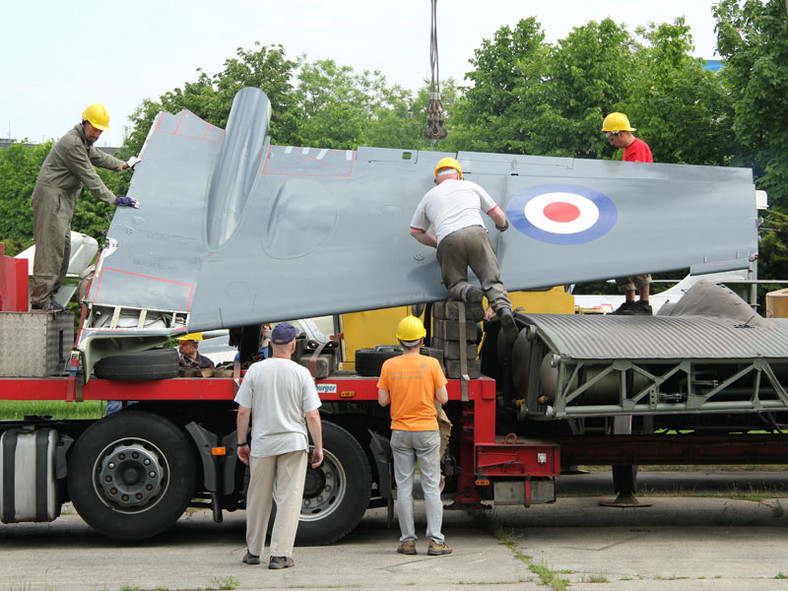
column 412, row 383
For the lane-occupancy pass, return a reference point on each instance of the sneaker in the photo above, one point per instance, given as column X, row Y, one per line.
column 625, row 309
column 642, row 307
column 473, row 295
column 280, row 562
column 407, row 547
column 437, row 549
column 250, row 558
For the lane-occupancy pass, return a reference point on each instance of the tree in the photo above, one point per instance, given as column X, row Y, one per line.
column 682, row 110
column 752, row 38
column 587, row 74
column 506, row 68
column 211, row 97
column 19, row 166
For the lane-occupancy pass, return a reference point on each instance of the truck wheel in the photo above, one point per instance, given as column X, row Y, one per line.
column 336, row 494
column 154, row 364
column 131, row 475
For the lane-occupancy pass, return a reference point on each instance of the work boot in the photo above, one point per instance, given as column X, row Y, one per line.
column 407, row 547
column 437, row 549
column 508, row 325
column 473, row 295
column 250, row 558
column 280, row 562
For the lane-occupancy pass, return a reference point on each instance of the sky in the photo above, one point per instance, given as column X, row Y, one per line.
column 58, row 57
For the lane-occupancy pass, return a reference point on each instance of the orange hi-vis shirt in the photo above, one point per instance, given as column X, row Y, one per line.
column 411, row 381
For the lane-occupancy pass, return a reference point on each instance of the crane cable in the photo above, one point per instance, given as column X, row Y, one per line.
column 435, row 129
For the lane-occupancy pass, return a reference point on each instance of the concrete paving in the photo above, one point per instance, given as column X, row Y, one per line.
column 682, row 543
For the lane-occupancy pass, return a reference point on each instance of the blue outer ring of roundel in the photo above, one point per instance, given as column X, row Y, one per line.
column 608, row 214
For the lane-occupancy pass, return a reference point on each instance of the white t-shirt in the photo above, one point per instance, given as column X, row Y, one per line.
column 452, row 205
column 280, row 392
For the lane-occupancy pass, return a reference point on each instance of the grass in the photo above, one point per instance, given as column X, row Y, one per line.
column 225, row 583
column 595, row 579
column 547, row 576
column 17, row 409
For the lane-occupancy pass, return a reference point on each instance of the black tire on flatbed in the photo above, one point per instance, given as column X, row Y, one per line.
column 154, row 364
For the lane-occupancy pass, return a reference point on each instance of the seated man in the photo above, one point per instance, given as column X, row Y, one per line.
column 189, row 356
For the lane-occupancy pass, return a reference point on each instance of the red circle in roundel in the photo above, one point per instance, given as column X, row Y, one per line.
column 561, row 211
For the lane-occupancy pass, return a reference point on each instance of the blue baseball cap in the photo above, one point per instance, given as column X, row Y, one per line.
column 283, row 333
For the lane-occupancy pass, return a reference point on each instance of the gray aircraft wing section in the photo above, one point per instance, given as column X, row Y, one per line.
column 234, row 231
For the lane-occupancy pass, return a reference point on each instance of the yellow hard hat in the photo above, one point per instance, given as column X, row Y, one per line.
column 448, row 163
column 192, row 336
column 98, row 116
column 410, row 328
column 616, row 122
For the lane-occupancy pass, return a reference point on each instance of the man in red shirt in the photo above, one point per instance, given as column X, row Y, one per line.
column 619, row 133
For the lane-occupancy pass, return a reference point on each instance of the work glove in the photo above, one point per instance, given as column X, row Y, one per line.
column 127, row 201
column 502, row 228
column 133, row 161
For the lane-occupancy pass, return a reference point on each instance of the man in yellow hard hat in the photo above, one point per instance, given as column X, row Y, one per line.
column 454, row 208
column 66, row 169
column 189, row 354
column 618, row 131
column 412, row 384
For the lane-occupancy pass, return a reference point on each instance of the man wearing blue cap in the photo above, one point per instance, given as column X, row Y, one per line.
column 281, row 396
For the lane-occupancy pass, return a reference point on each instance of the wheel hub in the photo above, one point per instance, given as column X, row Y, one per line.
column 323, row 489
column 130, row 475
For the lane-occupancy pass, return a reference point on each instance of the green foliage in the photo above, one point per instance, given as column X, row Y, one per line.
column 508, row 70
column 682, row 110
column 210, row 97
column 19, row 166
column 753, row 40
column 227, row 583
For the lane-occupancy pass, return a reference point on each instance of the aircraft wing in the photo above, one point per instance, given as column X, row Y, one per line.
column 234, row 231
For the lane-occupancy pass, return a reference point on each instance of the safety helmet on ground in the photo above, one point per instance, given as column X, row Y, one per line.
column 616, row 122
column 98, row 116
column 448, row 163
column 192, row 336
column 410, row 329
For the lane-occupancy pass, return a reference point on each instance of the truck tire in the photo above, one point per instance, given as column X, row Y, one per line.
column 154, row 364
column 369, row 361
column 336, row 494
column 131, row 475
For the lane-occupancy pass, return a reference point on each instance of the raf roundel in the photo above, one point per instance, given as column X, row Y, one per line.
column 562, row 213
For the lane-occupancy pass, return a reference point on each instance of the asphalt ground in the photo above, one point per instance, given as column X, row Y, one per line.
column 730, row 535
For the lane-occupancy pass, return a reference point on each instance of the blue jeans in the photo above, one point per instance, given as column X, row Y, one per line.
column 424, row 446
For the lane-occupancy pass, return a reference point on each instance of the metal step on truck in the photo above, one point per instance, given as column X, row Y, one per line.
column 224, row 212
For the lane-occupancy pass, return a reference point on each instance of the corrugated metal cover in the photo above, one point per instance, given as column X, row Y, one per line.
column 660, row 337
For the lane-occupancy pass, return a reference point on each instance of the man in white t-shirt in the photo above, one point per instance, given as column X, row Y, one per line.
column 281, row 396
column 454, row 208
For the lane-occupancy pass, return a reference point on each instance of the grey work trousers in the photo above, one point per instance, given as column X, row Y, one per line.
column 277, row 479
column 53, row 209
column 470, row 247
column 424, row 446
